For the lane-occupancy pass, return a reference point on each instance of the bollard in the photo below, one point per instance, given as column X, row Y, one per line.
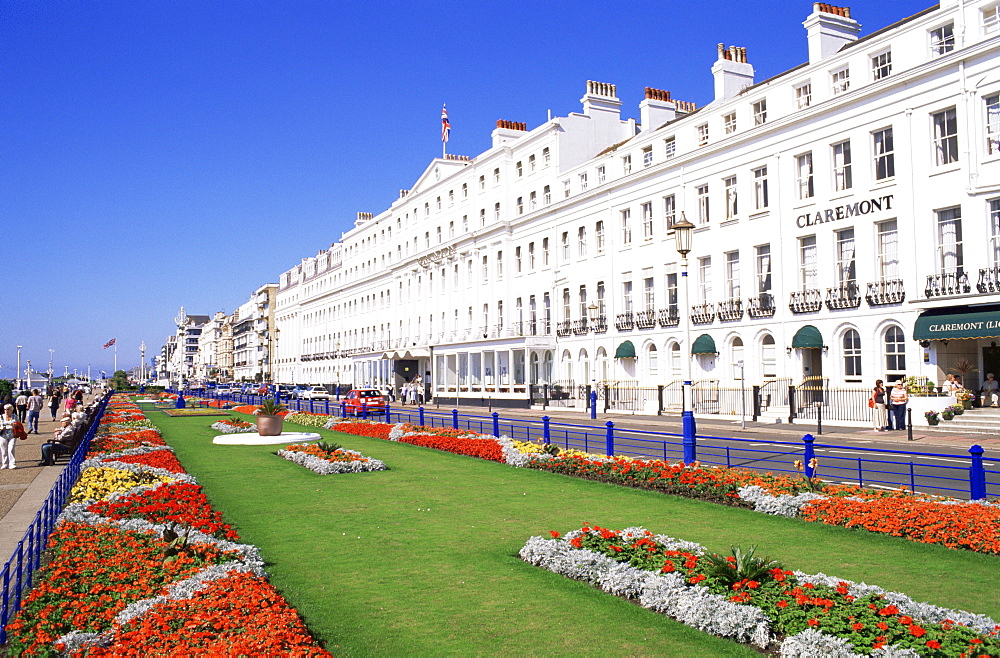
column 454, row 418
column 496, row 424
column 546, row 435
column 593, row 405
column 328, row 406
column 689, row 440
column 819, row 419
column 909, row 424
column 659, row 399
column 977, row 475
column 364, row 410
column 343, row 408
column 388, row 414
column 809, row 454
column 420, row 412
column 609, row 440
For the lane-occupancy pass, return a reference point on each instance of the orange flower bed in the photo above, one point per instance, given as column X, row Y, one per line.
column 251, row 409
column 972, row 527
column 373, row 430
column 487, row 449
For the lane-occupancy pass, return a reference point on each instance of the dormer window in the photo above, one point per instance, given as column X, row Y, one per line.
column 942, row 40
column 647, row 156
column 627, row 165
column 841, row 81
column 760, row 112
column 803, row 96
column 729, row 123
column 702, row 134
column 882, row 65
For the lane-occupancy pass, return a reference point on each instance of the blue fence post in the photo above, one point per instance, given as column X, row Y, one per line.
column 388, row 416
column 593, row 405
column 609, row 440
column 328, row 406
column 420, row 414
column 343, row 408
column 977, row 476
column 454, row 418
column 496, row 424
column 364, row 411
column 689, row 440
column 809, row 454
column 546, row 434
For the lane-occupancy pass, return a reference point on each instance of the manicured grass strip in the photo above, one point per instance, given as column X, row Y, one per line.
column 422, row 558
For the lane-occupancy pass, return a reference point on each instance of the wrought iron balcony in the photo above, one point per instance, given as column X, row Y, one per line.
column 761, row 306
column 805, row 301
column 532, row 328
column 601, row 325
column 949, row 283
column 563, row 328
column 887, row 291
column 581, row 327
column 989, row 280
column 846, row 295
column 669, row 317
column 625, row 321
column 703, row 313
column 731, row 310
column 645, row 319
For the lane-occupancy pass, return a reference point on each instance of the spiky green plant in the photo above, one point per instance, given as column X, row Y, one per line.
column 742, row 565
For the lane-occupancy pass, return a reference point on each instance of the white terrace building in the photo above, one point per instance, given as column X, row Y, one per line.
column 848, row 228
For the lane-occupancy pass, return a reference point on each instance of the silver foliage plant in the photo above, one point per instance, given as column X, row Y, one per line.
column 696, row 606
column 326, row 467
column 224, row 428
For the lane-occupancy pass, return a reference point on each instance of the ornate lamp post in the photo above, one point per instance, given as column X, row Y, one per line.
column 683, row 231
column 51, row 352
column 19, row 367
column 182, row 321
column 142, row 362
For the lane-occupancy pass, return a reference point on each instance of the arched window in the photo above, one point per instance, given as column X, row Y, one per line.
column 652, row 364
column 567, row 367
column 852, row 353
column 768, row 359
column 675, row 361
column 736, row 357
column 895, row 350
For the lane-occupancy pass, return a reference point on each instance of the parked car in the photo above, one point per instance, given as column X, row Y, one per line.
column 286, row 390
column 313, row 393
column 369, row 398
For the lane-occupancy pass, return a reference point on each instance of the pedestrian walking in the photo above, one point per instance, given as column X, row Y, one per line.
column 35, row 404
column 54, row 401
column 21, row 405
column 898, row 397
column 877, row 404
column 7, row 438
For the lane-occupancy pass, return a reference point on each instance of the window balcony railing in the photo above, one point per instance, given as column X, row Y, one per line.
column 731, row 310
column 886, row 291
column 669, row 317
column 581, row 327
column 948, row 283
column 645, row 319
column 846, row 295
column 761, row 306
column 532, row 327
column 989, row 280
column 703, row 313
column 563, row 328
column 805, row 301
column 625, row 321
column 515, row 329
column 601, row 325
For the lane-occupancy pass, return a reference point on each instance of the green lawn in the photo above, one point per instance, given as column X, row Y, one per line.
column 423, row 558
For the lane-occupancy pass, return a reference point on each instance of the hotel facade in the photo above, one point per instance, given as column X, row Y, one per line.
column 847, row 228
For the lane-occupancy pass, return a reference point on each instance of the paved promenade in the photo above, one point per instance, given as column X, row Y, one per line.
column 24, row 489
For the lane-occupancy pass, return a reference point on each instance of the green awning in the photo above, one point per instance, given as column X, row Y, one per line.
column 808, row 338
column 625, row 351
column 957, row 325
column 703, row 344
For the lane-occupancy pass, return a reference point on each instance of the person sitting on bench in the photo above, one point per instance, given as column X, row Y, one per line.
column 62, row 441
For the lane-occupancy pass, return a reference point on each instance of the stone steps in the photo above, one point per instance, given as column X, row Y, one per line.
column 973, row 421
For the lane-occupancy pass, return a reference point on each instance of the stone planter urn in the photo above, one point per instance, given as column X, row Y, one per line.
column 269, row 425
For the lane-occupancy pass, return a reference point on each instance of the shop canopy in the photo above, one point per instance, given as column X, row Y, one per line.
column 933, row 325
column 704, row 344
column 625, row 351
column 808, row 338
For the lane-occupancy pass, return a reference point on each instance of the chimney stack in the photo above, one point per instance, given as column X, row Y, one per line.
column 656, row 109
column 508, row 131
column 828, row 29
column 363, row 217
column 732, row 72
column 601, row 99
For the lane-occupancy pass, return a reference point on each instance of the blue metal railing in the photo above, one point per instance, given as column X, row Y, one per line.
column 17, row 574
column 969, row 477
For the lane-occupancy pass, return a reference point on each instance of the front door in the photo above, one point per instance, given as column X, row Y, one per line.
column 991, row 361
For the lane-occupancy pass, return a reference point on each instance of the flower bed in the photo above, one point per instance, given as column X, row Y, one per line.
column 328, row 461
column 777, row 609
column 140, row 562
column 308, row 419
column 251, row 409
column 233, row 426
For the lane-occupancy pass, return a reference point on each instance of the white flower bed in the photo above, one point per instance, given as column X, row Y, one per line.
column 695, row 605
column 225, row 428
column 326, row 467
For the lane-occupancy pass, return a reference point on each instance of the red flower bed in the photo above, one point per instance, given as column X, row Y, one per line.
column 241, row 615
column 157, row 459
column 373, row 430
column 124, row 440
column 181, row 503
column 973, row 527
column 110, row 418
column 481, row 448
column 252, row 410
column 114, row 567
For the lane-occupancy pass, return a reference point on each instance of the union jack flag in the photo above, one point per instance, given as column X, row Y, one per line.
column 110, row 343
column 445, row 124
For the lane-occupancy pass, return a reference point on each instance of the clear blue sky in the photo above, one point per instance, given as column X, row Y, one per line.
column 163, row 153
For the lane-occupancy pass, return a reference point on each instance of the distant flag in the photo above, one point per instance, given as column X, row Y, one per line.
column 445, row 124
column 110, row 343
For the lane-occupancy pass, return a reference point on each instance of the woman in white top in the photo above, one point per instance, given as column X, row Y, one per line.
column 7, row 438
